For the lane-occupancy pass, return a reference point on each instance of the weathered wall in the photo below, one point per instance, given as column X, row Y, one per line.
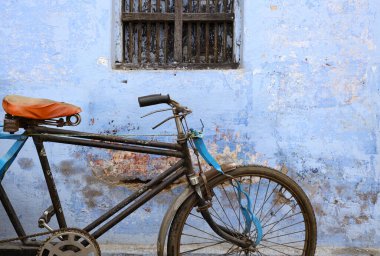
column 306, row 95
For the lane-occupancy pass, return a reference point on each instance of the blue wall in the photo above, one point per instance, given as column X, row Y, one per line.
column 306, row 96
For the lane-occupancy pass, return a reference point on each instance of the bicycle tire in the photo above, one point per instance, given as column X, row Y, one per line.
column 188, row 227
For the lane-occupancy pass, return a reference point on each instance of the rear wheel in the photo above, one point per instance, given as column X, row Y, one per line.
column 284, row 211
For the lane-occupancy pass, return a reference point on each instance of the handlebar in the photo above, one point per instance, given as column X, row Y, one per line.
column 154, row 99
column 179, row 111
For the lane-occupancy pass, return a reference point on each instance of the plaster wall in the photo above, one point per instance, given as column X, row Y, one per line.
column 306, row 96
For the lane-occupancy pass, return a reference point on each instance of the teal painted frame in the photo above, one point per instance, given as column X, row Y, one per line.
column 7, row 159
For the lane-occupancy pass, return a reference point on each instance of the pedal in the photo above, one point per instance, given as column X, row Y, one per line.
column 45, row 218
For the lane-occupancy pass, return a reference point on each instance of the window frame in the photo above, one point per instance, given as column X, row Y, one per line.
column 178, row 17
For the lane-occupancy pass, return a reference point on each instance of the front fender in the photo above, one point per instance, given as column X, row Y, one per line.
column 172, row 210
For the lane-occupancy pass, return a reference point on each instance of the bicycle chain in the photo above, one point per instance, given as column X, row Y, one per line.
column 31, row 236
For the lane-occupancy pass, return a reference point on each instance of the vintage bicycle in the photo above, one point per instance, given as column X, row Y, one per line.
column 228, row 210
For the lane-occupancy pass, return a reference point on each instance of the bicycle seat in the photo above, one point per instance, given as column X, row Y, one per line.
column 34, row 108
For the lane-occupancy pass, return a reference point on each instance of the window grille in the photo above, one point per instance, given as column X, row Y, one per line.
column 177, row 34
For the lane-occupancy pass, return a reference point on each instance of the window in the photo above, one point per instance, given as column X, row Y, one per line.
column 159, row 34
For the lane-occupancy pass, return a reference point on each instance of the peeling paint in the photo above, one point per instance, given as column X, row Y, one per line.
column 128, row 166
column 304, row 100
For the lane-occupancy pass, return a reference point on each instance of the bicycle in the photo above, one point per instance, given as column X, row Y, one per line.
column 229, row 209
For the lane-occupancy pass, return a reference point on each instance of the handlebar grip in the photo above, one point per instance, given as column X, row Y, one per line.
column 153, row 99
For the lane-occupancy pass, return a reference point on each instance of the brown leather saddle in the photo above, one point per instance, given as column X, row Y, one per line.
column 23, row 111
column 40, row 109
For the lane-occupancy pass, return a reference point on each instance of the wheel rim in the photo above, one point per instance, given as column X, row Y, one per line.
column 275, row 204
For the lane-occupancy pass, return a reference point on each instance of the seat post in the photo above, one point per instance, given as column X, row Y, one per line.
column 50, row 181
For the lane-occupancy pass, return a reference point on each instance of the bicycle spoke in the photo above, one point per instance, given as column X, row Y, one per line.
column 270, row 248
column 257, row 191
column 275, row 203
column 224, row 212
column 201, row 237
column 262, row 254
column 285, row 234
column 249, row 187
column 202, row 243
column 199, row 217
column 229, row 250
column 285, row 227
column 202, row 231
column 285, row 244
column 231, row 203
column 266, row 225
column 219, row 218
column 203, row 247
column 237, row 198
column 277, row 223
column 265, row 200
column 274, row 214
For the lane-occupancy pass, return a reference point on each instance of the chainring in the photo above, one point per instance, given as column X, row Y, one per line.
column 70, row 242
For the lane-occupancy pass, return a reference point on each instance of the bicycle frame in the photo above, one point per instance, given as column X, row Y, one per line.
column 41, row 134
column 183, row 166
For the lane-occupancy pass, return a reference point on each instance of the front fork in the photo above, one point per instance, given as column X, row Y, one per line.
column 203, row 204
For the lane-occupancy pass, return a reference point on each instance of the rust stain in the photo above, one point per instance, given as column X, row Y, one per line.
column 371, row 196
column 318, row 209
column 115, row 129
column 128, row 167
column 339, row 189
column 220, row 148
column 25, row 163
column 132, row 170
column 273, row 7
column 347, row 220
column 280, row 198
column 284, row 169
column 361, row 219
column 90, row 195
column 69, row 167
column 90, row 180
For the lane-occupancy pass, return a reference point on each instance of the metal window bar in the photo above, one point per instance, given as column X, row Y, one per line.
column 175, row 33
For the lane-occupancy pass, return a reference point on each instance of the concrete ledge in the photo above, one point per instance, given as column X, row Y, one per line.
column 150, row 250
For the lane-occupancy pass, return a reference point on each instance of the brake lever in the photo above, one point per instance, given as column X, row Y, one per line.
column 161, row 123
column 156, row 111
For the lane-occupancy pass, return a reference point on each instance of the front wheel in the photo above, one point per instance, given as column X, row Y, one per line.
column 284, row 211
